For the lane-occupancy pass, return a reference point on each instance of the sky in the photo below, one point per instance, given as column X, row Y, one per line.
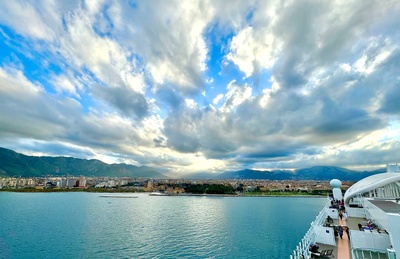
column 203, row 86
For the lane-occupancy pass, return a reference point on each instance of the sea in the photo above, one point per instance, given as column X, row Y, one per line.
column 95, row 225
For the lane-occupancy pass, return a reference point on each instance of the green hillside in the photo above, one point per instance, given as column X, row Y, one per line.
column 15, row 164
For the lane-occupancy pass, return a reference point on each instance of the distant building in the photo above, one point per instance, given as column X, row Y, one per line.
column 62, row 183
column 100, row 185
column 81, row 182
column 70, row 183
column 111, row 183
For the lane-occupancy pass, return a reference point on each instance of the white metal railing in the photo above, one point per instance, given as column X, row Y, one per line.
column 371, row 240
column 303, row 249
column 360, row 253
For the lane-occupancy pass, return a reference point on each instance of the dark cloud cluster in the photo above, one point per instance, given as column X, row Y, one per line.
column 181, row 129
column 130, row 103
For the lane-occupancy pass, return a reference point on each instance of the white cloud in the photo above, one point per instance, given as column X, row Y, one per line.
column 190, row 103
column 169, row 38
column 368, row 63
column 25, row 19
column 27, row 111
column 66, row 83
column 236, row 95
column 103, row 56
column 346, row 67
column 253, row 50
column 218, row 99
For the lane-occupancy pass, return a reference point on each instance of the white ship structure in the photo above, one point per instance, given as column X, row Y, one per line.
column 370, row 209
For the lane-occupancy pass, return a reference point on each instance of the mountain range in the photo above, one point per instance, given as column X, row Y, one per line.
column 14, row 164
column 316, row 173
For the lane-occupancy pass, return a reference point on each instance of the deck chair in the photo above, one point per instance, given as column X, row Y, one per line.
column 323, row 254
column 327, row 253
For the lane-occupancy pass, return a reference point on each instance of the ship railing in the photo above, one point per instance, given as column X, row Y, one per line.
column 359, row 253
column 321, row 218
column 303, row 249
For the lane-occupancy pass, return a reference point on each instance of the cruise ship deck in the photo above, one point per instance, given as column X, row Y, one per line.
column 372, row 215
column 342, row 247
column 356, row 246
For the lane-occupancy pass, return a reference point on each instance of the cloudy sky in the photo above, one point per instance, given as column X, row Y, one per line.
column 203, row 86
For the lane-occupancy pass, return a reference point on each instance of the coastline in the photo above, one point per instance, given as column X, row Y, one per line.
column 119, row 191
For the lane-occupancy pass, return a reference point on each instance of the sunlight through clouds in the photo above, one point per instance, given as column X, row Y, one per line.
column 202, row 86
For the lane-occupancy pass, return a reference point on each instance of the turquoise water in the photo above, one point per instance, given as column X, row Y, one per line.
column 84, row 225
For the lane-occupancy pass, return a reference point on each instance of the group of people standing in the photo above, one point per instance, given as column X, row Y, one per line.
column 343, row 215
column 337, row 204
column 339, row 230
column 342, row 229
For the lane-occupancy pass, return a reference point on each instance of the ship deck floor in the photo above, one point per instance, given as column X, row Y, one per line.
column 343, row 244
column 342, row 250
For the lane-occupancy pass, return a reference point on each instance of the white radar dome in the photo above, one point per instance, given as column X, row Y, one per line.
column 335, row 183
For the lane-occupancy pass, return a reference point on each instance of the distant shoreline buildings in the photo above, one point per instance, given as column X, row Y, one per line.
column 170, row 186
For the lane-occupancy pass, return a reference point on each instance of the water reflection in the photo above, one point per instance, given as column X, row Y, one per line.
column 83, row 225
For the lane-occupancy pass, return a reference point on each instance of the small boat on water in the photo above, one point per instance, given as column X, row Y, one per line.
column 118, row 196
column 156, row 193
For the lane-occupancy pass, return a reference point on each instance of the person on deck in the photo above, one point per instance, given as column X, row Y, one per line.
column 348, row 232
column 314, row 248
column 360, row 227
column 340, row 230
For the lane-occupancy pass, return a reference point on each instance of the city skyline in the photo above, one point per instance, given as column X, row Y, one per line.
column 202, row 86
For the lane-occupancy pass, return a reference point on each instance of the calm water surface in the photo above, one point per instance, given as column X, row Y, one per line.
column 85, row 225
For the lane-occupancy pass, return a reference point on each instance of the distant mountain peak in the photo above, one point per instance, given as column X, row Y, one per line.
column 320, row 173
column 16, row 164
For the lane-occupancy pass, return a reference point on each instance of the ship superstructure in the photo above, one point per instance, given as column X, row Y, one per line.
column 370, row 209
